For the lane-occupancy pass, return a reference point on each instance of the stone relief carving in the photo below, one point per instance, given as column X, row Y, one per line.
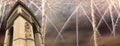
column 27, row 30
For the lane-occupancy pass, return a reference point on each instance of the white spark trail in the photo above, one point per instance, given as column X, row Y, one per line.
column 43, row 21
column 102, row 18
column 36, row 4
column 90, row 21
column 94, row 24
column 111, row 15
column 77, row 7
column 3, row 12
column 77, row 32
column 54, row 27
column 52, row 11
column 0, row 11
column 0, row 8
column 118, row 12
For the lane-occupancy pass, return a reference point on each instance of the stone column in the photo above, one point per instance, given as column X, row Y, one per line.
column 19, row 32
column 38, row 39
column 29, row 35
column 23, row 33
column 7, row 38
column 37, row 36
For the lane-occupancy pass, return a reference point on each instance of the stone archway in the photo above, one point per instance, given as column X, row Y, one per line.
column 21, row 27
